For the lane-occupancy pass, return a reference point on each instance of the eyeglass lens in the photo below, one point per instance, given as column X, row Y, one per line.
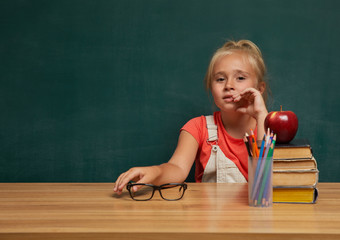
column 144, row 193
column 172, row 192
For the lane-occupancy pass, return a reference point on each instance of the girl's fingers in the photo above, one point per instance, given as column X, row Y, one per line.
column 142, row 180
column 250, row 92
column 247, row 94
column 122, row 180
column 118, row 182
column 236, row 97
column 134, row 174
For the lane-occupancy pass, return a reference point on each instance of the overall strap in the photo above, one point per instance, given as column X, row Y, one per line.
column 212, row 129
column 219, row 168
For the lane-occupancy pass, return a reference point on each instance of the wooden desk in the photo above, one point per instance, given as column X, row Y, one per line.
column 207, row 211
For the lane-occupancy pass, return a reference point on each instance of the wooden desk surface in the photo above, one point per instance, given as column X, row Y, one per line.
column 221, row 211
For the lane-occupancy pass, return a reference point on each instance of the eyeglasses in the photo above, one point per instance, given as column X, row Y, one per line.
column 169, row 191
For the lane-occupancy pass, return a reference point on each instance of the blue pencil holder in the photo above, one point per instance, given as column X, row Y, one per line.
column 260, row 182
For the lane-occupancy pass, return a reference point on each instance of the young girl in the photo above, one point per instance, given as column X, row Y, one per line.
column 235, row 78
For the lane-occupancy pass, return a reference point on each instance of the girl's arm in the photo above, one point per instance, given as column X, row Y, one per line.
column 260, row 125
column 176, row 170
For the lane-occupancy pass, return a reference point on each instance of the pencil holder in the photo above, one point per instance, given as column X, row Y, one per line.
column 260, row 185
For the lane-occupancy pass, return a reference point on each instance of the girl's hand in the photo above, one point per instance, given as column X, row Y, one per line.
column 136, row 174
column 250, row 101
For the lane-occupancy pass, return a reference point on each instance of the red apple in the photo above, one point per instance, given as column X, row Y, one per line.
column 283, row 123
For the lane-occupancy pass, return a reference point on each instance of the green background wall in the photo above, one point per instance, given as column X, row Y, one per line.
column 92, row 88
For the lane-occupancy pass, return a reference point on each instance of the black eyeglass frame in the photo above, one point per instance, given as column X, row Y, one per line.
column 155, row 188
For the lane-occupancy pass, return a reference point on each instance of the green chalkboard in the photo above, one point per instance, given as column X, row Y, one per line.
column 90, row 88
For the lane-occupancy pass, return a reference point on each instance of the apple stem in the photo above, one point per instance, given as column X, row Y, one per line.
column 280, row 108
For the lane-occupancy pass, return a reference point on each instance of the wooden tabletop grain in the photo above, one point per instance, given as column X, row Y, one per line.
column 208, row 210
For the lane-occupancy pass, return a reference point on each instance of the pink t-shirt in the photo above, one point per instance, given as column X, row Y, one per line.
column 234, row 149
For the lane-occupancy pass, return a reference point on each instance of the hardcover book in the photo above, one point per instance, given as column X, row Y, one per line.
column 295, row 178
column 295, row 195
column 295, row 164
column 296, row 149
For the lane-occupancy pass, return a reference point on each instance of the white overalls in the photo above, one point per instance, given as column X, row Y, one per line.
column 219, row 168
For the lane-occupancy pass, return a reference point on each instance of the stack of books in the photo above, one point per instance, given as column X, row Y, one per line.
column 295, row 173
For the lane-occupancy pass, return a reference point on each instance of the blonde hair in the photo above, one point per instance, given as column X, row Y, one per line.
column 254, row 57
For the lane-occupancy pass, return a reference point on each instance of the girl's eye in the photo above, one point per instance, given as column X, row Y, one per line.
column 220, row 79
column 241, row 78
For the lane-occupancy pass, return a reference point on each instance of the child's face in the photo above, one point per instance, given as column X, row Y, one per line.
column 232, row 74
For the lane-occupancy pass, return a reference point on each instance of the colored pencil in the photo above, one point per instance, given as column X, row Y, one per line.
column 262, row 145
column 267, row 189
column 247, row 146
column 250, row 142
column 260, row 156
column 256, row 150
column 266, row 172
